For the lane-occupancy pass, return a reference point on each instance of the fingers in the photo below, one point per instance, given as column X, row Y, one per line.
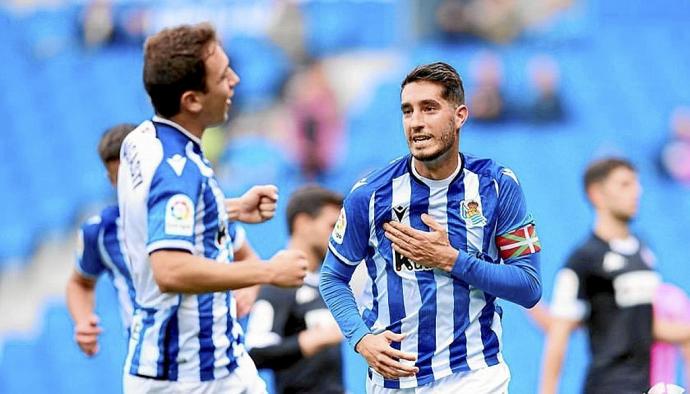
column 403, row 230
column 395, row 235
column 398, row 247
column 397, row 354
column 393, row 337
column 433, row 224
column 268, row 191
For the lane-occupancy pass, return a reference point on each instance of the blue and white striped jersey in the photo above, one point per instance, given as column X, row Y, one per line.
column 169, row 199
column 451, row 326
column 100, row 250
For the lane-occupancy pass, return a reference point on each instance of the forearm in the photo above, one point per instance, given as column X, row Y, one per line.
column 179, row 272
column 553, row 360
column 671, row 332
column 517, row 281
column 80, row 299
column 278, row 356
column 336, row 292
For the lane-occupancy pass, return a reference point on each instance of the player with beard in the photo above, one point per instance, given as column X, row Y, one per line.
column 443, row 234
column 290, row 330
column 608, row 285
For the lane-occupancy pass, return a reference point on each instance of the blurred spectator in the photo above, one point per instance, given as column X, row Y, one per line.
column 98, row 25
column 498, row 21
column 317, row 121
column 287, row 30
column 547, row 105
column 486, row 100
column 675, row 155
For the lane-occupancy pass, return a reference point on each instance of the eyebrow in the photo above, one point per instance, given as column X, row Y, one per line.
column 423, row 102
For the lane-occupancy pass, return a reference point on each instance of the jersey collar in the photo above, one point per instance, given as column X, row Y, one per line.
column 435, row 183
column 179, row 128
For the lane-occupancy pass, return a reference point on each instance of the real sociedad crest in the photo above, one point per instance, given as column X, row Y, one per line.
column 471, row 213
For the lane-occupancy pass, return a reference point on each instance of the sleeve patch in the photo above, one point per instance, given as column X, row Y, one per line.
column 179, row 216
column 340, row 226
column 520, row 242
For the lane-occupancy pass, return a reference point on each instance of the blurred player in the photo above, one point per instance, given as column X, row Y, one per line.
column 608, row 285
column 443, row 234
column 100, row 244
column 291, row 330
column 185, row 336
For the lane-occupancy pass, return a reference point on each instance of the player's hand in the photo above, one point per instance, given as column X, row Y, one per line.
column 288, row 268
column 86, row 335
column 257, row 205
column 314, row 340
column 431, row 249
column 245, row 299
column 387, row 361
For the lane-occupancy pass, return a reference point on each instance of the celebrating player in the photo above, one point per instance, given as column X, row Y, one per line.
column 442, row 234
column 185, row 336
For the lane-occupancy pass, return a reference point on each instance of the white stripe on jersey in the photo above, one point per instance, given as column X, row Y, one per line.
column 402, row 192
column 188, row 339
column 440, row 363
column 475, row 241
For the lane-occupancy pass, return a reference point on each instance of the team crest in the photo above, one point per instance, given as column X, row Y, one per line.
column 471, row 213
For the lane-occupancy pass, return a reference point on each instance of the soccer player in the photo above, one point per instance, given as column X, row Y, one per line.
column 185, row 336
column 608, row 285
column 290, row 330
column 100, row 251
column 443, row 234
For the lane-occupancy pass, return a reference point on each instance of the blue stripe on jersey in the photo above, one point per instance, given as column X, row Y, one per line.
column 147, row 323
column 173, row 347
column 371, row 315
column 489, row 338
column 396, row 302
column 111, row 243
column 461, row 291
column 230, row 324
column 426, row 331
column 487, row 190
column 206, row 347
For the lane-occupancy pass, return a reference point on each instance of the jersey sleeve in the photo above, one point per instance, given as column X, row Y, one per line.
column 516, row 233
column 569, row 300
column 89, row 263
column 172, row 203
column 350, row 237
column 237, row 234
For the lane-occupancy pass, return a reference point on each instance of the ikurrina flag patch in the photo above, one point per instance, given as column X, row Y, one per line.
column 519, row 242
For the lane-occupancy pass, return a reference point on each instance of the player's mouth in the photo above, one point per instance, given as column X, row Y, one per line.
column 420, row 139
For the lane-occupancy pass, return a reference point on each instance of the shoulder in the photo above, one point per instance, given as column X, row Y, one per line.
column 489, row 168
column 364, row 188
column 586, row 252
column 91, row 228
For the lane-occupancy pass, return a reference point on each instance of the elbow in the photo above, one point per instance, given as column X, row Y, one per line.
column 166, row 279
column 533, row 295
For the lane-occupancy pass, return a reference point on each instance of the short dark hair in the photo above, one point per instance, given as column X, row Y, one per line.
column 174, row 62
column 443, row 74
column 600, row 169
column 111, row 141
column 310, row 200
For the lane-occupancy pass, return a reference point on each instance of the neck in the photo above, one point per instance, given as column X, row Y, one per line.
column 191, row 125
column 609, row 228
column 312, row 259
column 440, row 168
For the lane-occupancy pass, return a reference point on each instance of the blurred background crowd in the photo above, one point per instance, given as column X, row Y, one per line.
column 550, row 85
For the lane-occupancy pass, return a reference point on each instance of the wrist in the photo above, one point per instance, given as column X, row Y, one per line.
column 232, row 208
column 450, row 260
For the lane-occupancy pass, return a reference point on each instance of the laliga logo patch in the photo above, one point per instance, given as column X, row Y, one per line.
column 339, row 228
column 471, row 213
column 179, row 216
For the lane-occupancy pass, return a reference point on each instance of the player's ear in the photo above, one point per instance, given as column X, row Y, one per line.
column 190, row 102
column 461, row 114
column 595, row 194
